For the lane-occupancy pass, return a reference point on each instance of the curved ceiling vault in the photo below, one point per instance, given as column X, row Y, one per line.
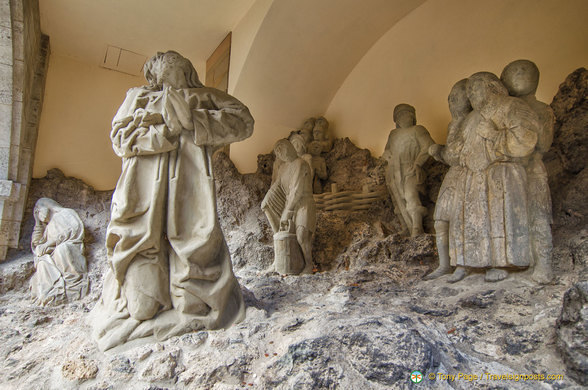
column 304, row 50
column 82, row 29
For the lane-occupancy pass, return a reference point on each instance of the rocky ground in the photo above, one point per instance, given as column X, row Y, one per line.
column 364, row 320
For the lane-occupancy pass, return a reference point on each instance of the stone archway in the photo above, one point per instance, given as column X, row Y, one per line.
column 24, row 54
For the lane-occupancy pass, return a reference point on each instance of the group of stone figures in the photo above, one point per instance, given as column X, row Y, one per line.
column 169, row 268
column 493, row 212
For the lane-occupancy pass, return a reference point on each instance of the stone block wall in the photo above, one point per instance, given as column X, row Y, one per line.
column 24, row 54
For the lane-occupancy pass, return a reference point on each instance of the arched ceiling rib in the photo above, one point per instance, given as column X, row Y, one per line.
column 305, row 49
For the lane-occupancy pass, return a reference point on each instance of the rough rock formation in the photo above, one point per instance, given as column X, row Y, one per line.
column 365, row 320
column 570, row 106
column 568, row 176
column 572, row 332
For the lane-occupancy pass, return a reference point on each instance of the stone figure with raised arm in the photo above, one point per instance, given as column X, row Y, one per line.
column 521, row 78
column 449, row 197
column 170, row 270
column 58, row 245
column 406, row 152
column 489, row 229
column 290, row 209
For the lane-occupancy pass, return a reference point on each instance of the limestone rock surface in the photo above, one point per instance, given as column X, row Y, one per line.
column 572, row 331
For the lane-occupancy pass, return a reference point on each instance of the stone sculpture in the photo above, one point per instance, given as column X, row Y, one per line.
column 489, row 227
column 169, row 266
column 449, row 196
column 299, row 143
column 320, row 133
column 306, row 130
column 290, row 209
column 521, row 78
column 318, row 166
column 58, row 246
column 406, row 152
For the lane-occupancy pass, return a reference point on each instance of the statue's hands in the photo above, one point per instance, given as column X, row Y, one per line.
column 151, row 118
column 435, row 152
column 488, row 130
column 42, row 249
column 287, row 215
column 177, row 110
column 144, row 118
column 287, row 221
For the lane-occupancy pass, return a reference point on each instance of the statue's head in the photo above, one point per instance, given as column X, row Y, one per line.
column 308, row 124
column 315, row 148
column 45, row 208
column 459, row 104
column 404, row 115
column 521, row 78
column 299, row 144
column 320, row 127
column 306, row 129
column 172, row 69
column 284, row 150
column 481, row 87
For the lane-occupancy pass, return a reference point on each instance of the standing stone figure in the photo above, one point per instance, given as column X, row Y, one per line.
column 169, row 266
column 449, row 196
column 318, row 166
column 489, row 230
column 290, row 209
column 521, row 78
column 406, row 152
column 306, row 130
column 297, row 140
column 58, row 245
column 320, row 133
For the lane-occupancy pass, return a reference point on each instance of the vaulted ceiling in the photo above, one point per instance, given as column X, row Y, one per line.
column 296, row 60
column 82, row 29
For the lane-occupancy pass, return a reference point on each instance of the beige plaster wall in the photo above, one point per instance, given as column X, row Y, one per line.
column 416, row 61
column 420, row 58
column 80, row 102
column 301, row 53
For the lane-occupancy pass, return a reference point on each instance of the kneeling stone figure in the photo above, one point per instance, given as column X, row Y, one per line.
column 58, row 245
column 170, row 269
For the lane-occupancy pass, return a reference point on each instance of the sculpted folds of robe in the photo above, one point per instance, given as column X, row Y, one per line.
column 164, row 241
column 60, row 263
column 490, row 226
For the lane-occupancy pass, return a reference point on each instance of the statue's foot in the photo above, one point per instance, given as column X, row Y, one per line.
column 141, row 307
column 307, row 269
column 542, row 274
column 440, row 271
column 495, row 275
column 458, row 274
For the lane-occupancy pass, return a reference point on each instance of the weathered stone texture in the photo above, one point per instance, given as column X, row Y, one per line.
column 570, row 106
column 566, row 160
column 572, row 332
column 22, row 78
